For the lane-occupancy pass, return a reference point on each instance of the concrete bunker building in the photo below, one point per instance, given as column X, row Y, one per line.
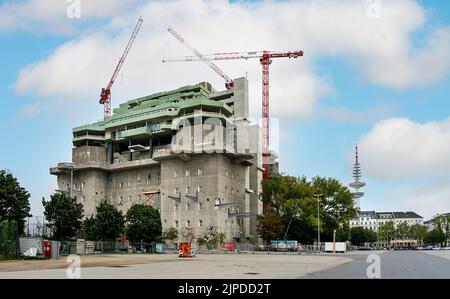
column 191, row 153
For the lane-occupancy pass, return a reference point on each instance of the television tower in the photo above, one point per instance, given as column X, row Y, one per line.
column 357, row 183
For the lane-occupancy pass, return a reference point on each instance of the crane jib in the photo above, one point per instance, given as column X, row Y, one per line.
column 105, row 97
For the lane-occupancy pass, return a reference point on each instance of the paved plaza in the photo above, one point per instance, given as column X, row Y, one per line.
column 219, row 266
column 352, row 265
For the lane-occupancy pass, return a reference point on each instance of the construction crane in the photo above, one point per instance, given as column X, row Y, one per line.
column 200, row 57
column 105, row 96
column 265, row 58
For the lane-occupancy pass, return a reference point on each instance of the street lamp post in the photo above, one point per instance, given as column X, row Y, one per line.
column 334, row 241
column 318, row 220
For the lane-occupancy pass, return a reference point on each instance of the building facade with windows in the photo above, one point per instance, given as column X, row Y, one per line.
column 372, row 220
column 191, row 153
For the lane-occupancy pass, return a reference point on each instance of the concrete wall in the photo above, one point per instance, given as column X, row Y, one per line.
column 87, row 154
column 89, row 187
column 126, row 187
column 219, row 178
column 255, row 178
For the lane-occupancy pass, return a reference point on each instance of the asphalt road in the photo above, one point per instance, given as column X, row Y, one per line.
column 392, row 265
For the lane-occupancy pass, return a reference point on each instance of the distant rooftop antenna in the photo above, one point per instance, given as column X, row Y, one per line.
column 357, row 183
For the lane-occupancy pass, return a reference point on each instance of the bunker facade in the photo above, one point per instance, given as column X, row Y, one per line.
column 191, row 153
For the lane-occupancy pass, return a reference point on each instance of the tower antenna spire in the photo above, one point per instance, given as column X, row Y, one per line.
column 357, row 183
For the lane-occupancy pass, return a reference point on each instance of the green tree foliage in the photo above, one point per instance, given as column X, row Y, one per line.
column 144, row 223
column 337, row 205
column 8, row 239
column 301, row 231
column 88, row 229
column 269, row 227
column 386, row 231
column 14, row 200
column 403, row 231
column 418, row 232
column 169, row 234
column 212, row 237
column 294, row 200
column 436, row 236
column 64, row 216
column 221, row 238
column 109, row 222
column 360, row 235
column 343, row 233
column 442, row 223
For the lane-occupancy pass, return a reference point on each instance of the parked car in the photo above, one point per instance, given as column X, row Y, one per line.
column 428, row 247
column 446, row 248
column 436, row 248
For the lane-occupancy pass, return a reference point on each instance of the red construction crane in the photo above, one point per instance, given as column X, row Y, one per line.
column 265, row 57
column 105, row 96
column 200, row 57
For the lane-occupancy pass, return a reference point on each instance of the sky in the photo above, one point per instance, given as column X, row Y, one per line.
column 375, row 73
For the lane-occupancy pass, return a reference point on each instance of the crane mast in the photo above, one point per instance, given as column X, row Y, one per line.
column 105, row 96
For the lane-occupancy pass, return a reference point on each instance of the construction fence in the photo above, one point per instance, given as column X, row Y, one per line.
column 40, row 248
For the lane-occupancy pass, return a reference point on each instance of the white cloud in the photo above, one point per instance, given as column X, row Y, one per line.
column 381, row 48
column 427, row 199
column 51, row 15
column 399, row 148
column 370, row 115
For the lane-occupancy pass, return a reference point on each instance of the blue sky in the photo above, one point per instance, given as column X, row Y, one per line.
column 355, row 83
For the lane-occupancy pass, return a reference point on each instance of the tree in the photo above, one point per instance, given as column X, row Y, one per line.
column 337, row 205
column 302, row 230
column 64, row 216
column 343, row 233
column 8, row 238
column 442, row 223
column 360, row 235
column 286, row 195
column 294, row 200
column 436, row 236
column 418, row 232
column 269, row 227
column 14, row 200
column 187, row 234
column 109, row 222
column 144, row 223
column 386, row 231
column 221, row 238
column 88, row 229
column 169, row 234
column 403, row 231
column 212, row 237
